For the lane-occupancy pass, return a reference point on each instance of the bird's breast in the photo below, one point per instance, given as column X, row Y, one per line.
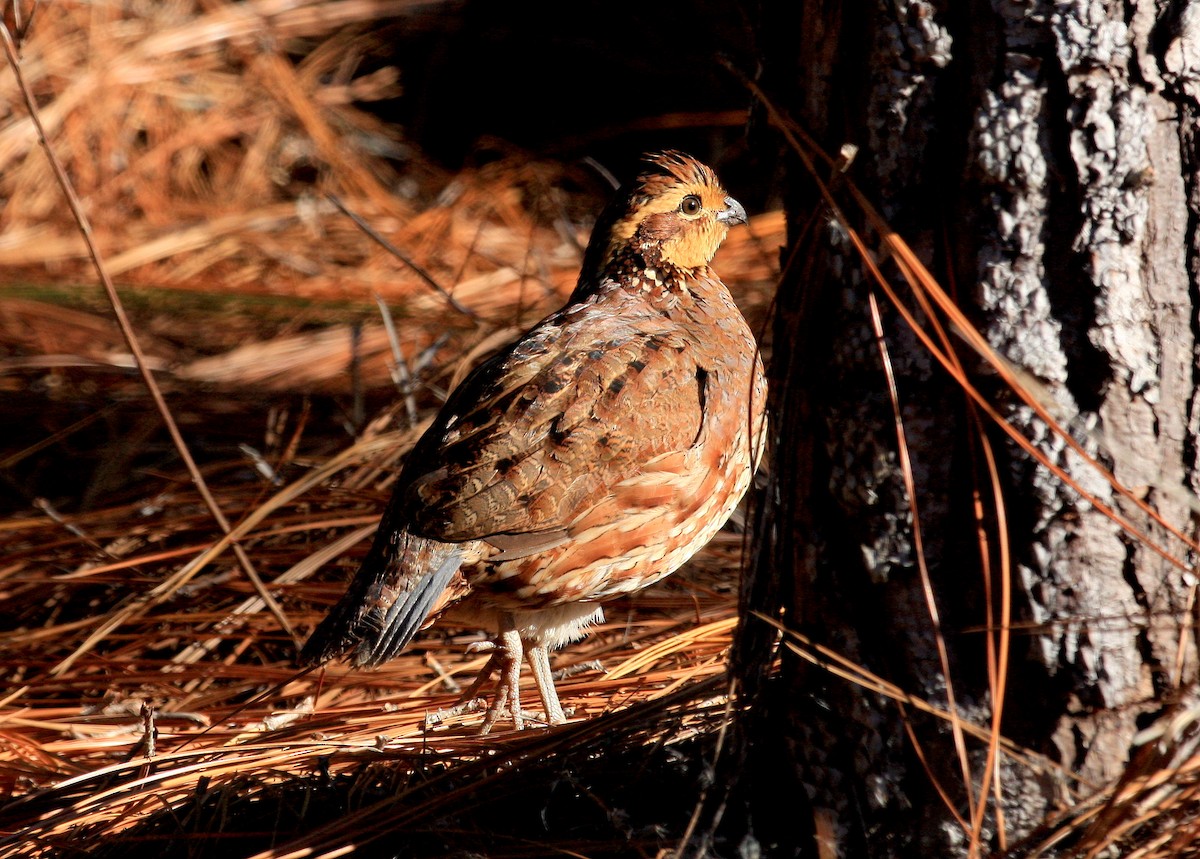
column 647, row 525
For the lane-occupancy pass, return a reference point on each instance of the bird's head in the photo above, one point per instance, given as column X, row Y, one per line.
column 673, row 216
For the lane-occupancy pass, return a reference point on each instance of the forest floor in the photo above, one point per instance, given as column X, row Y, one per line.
column 150, row 704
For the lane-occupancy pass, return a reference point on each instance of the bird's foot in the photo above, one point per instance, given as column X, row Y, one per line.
column 507, row 652
column 510, row 650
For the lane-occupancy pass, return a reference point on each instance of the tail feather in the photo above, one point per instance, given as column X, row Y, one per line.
column 405, row 616
column 387, row 601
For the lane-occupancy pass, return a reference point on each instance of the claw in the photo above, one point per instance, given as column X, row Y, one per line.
column 508, row 688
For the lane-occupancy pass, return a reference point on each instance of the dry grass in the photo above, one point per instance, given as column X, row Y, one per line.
column 205, row 140
column 146, row 689
column 99, row 737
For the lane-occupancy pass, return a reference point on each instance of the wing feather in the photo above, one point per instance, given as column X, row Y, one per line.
column 536, row 436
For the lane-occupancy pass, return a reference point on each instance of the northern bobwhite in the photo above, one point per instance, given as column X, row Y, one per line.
column 589, row 459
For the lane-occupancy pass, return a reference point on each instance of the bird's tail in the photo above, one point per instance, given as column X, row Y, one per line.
column 387, row 601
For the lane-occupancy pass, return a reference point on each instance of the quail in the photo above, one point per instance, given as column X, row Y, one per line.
column 588, row 459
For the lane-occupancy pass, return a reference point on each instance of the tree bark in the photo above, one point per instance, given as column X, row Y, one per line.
column 1041, row 158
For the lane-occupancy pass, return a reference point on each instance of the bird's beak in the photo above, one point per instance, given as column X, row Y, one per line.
column 732, row 214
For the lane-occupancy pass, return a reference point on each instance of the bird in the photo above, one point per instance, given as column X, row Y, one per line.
column 588, row 459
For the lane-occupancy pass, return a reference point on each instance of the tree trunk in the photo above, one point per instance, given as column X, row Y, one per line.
column 1040, row 157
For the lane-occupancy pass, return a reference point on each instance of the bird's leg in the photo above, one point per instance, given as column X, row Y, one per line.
column 539, row 662
column 508, row 691
column 507, row 651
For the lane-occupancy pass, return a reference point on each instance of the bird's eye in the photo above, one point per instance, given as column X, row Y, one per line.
column 690, row 205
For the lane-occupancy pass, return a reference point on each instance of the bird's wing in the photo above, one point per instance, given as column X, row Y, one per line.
column 542, row 433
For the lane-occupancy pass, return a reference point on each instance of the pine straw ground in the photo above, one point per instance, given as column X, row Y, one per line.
column 150, row 706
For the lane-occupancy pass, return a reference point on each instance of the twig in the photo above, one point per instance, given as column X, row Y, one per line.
column 403, row 257
column 604, row 172
column 261, row 465
column 910, row 488
column 21, row 27
column 85, row 230
column 46, row 507
column 401, row 377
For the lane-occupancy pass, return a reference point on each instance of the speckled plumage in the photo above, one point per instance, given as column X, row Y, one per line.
column 590, row 458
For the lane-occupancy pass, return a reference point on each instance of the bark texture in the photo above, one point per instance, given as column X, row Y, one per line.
column 1041, row 157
